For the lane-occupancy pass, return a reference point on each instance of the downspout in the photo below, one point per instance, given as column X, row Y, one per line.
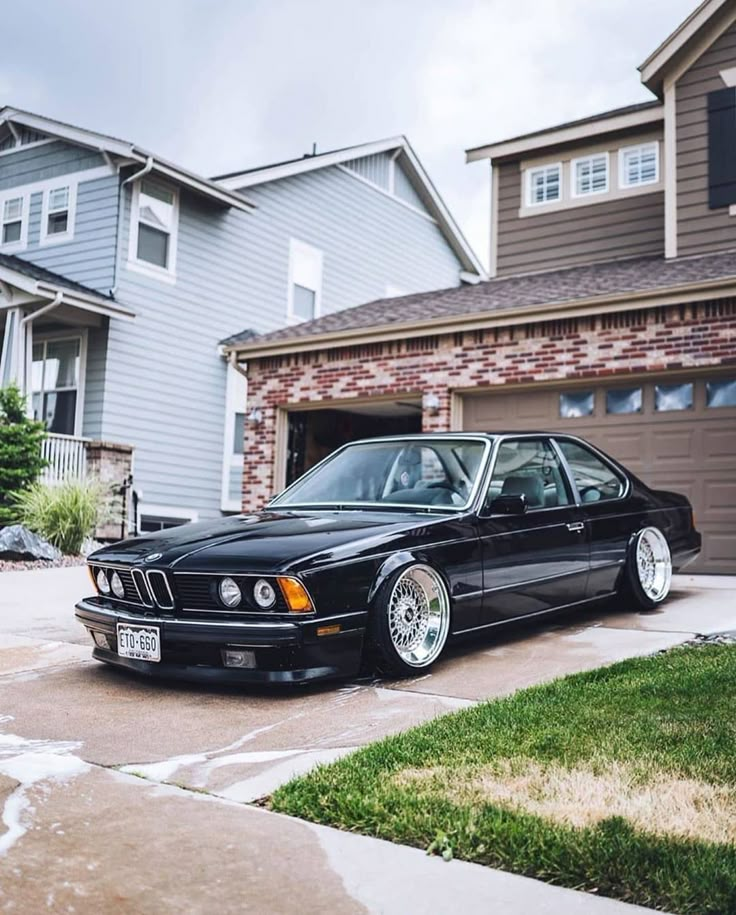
column 144, row 171
column 139, row 174
column 42, row 311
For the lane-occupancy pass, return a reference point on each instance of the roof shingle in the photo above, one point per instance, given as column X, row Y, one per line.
column 611, row 278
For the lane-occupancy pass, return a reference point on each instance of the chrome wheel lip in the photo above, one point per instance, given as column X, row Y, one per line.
column 653, row 564
column 418, row 616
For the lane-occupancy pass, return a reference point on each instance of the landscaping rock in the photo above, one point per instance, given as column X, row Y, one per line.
column 18, row 543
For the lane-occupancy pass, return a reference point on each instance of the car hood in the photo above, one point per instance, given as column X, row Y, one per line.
column 268, row 541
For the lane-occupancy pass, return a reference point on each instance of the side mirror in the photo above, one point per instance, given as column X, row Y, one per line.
column 510, row 504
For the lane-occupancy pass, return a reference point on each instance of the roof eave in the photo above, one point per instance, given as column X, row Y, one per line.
column 624, row 301
column 128, row 152
column 590, row 128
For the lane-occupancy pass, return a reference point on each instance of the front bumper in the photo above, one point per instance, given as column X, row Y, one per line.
column 286, row 652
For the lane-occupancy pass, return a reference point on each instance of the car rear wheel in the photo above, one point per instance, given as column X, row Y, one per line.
column 410, row 621
column 648, row 572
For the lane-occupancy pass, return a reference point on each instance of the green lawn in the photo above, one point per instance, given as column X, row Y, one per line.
column 621, row 781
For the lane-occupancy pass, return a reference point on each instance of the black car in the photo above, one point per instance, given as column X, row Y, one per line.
column 384, row 551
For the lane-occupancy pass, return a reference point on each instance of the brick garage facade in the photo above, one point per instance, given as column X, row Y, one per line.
column 699, row 335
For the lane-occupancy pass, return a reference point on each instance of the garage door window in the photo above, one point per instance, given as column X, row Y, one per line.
column 673, row 397
column 623, row 400
column 721, row 393
column 577, row 403
column 595, row 480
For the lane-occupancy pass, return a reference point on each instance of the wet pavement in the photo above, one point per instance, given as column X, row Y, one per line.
column 124, row 794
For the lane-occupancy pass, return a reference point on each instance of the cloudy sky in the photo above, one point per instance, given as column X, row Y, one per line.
column 221, row 84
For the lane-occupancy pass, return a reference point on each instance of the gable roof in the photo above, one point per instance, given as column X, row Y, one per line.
column 614, row 285
column 126, row 151
column 38, row 281
column 653, row 69
column 405, row 157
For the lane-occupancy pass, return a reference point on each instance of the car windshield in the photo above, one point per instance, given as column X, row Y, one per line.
column 422, row 473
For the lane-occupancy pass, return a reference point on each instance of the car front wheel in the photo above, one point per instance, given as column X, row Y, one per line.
column 648, row 572
column 410, row 621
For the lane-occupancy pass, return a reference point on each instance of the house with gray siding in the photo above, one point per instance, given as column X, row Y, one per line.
column 121, row 273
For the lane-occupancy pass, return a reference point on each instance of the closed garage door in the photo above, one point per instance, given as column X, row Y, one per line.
column 675, row 432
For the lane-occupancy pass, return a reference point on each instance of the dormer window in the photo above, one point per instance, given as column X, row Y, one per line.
column 544, row 184
column 154, row 223
column 639, row 165
column 590, row 175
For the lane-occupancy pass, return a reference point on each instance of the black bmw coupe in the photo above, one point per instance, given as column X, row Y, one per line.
column 383, row 552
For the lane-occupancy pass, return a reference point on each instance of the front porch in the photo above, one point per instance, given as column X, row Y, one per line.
column 53, row 343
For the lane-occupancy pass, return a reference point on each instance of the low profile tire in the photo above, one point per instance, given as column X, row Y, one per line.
column 410, row 622
column 648, row 571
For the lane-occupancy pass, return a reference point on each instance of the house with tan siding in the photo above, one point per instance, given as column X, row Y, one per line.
column 610, row 311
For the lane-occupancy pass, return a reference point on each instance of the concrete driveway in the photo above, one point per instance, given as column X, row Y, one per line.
column 121, row 793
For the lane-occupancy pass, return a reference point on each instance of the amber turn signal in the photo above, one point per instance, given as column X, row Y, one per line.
column 295, row 595
column 329, row 630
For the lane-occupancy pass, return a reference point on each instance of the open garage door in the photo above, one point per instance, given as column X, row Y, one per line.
column 315, row 433
column 677, row 432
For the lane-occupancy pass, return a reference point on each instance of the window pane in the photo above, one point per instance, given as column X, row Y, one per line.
column 673, row 397
column 37, row 369
column 594, row 479
column 239, row 433
column 576, row 404
column 303, row 302
column 59, row 411
column 150, row 189
column 591, row 175
column 11, row 232
column 545, row 184
column 640, row 165
column 153, row 246
column 156, row 206
column 57, row 223
column 59, row 198
column 529, row 467
column 13, row 209
column 62, row 364
column 623, row 400
column 721, row 393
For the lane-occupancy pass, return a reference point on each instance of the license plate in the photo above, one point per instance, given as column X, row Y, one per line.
column 140, row 642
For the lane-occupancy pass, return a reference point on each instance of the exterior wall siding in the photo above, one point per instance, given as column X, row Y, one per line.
column 700, row 229
column 50, row 160
column 164, row 388
column 373, row 168
column 622, row 227
column 701, row 335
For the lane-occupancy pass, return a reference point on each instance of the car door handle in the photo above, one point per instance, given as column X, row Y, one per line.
column 577, row 526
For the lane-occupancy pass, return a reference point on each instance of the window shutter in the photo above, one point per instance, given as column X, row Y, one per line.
column 721, row 148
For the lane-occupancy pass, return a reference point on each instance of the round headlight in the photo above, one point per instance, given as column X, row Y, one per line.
column 102, row 583
column 264, row 594
column 229, row 592
column 117, row 586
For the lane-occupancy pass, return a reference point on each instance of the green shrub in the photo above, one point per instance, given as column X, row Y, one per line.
column 20, row 450
column 64, row 514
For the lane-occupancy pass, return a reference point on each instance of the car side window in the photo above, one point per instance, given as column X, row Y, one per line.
column 532, row 468
column 594, row 478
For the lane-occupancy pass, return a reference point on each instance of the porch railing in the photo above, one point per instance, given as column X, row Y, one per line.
column 66, row 456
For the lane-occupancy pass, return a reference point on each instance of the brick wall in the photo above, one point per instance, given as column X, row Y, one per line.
column 111, row 464
column 682, row 336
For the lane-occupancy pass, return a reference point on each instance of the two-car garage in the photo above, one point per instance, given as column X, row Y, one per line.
column 675, row 431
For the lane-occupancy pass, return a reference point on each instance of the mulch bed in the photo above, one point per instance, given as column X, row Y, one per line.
column 8, row 566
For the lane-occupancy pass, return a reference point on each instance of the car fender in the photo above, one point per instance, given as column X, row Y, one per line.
column 398, row 561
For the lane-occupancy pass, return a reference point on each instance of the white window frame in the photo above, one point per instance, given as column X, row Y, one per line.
column 236, row 399
column 623, row 184
column 574, row 193
column 305, row 269
column 25, row 196
column 165, row 511
column 166, row 274
column 59, row 237
column 55, row 336
column 528, row 183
